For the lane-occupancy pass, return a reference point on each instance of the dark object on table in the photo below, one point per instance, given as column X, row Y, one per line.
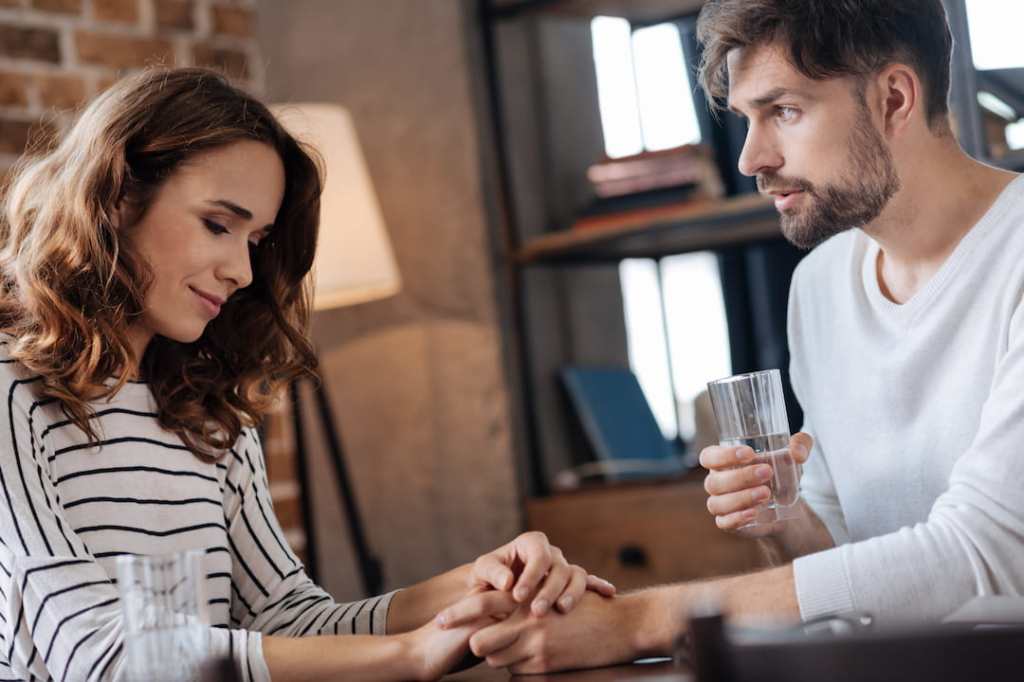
column 926, row 653
column 221, row 670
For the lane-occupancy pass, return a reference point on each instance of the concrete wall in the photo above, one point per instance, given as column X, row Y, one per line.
column 417, row 381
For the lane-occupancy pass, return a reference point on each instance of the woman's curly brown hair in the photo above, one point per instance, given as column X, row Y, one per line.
column 70, row 285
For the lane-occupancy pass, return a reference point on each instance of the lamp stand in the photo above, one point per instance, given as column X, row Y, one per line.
column 369, row 566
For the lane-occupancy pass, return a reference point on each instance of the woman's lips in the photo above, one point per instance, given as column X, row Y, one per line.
column 210, row 302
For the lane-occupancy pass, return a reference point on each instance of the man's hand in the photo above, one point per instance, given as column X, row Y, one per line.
column 737, row 485
column 598, row 632
column 531, row 570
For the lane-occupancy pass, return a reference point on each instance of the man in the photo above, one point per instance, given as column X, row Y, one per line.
column 906, row 333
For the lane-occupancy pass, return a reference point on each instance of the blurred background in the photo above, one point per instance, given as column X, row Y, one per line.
column 578, row 256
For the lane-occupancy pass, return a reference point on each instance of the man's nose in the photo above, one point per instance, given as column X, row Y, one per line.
column 759, row 154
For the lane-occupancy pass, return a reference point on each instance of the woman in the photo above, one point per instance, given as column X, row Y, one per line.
column 153, row 300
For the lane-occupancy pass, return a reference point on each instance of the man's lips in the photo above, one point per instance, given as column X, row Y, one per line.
column 786, row 199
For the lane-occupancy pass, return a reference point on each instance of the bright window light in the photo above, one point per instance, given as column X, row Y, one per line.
column 996, row 106
column 616, row 89
column 643, row 88
column 645, row 337
column 995, row 27
column 667, row 115
column 1015, row 135
column 698, row 332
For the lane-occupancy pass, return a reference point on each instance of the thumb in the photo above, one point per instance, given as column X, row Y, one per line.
column 800, row 447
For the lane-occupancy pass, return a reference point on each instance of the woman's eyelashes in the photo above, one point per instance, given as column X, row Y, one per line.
column 214, row 227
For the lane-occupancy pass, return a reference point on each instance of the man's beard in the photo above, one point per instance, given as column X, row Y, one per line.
column 854, row 201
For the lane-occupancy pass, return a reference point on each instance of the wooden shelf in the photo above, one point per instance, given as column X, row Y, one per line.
column 649, row 11
column 655, row 232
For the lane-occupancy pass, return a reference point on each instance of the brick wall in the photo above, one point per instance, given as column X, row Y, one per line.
column 55, row 55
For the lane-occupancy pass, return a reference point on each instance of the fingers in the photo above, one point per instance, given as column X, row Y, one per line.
column 800, row 446
column 494, row 639
column 538, row 556
column 491, row 570
column 492, row 603
column 716, row 457
column 722, row 482
column 601, row 586
column 509, row 657
column 556, row 587
column 736, row 520
column 573, row 591
column 721, row 505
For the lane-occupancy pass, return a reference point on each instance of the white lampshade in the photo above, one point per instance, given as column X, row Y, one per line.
column 354, row 262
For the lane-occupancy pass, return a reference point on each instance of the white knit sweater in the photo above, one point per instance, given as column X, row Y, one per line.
column 917, row 411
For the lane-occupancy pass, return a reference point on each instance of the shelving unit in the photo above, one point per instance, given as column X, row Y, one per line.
column 656, row 232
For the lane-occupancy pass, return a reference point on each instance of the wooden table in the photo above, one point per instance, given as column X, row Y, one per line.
column 662, row 671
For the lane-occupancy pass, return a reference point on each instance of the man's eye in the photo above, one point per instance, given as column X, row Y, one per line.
column 213, row 227
column 785, row 113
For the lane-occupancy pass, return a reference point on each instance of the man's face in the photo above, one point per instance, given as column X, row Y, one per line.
column 811, row 144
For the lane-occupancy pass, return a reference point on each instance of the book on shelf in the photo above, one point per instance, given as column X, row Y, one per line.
column 691, row 167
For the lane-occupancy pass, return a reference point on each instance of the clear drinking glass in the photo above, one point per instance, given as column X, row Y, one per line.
column 750, row 410
column 165, row 616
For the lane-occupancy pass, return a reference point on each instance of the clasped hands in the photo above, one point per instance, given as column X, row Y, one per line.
column 511, row 594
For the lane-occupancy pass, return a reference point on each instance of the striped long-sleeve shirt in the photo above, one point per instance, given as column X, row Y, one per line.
column 68, row 509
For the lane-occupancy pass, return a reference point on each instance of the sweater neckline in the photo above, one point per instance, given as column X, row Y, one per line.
column 920, row 301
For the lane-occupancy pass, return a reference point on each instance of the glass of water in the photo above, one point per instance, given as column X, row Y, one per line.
column 750, row 410
column 166, row 623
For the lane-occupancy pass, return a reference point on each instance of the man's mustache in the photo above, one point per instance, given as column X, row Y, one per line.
column 768, row 183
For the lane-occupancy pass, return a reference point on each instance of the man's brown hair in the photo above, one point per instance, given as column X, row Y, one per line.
column 832, row 38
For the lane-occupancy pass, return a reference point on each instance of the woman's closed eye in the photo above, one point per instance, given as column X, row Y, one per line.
column 214, row 227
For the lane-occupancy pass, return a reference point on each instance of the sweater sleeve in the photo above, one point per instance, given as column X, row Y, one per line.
column 969, row 545
column 273, row 593
column 60, row 613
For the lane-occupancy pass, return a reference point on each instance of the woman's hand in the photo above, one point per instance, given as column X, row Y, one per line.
column 737, row 485
column 438, row 651
column 528, row 568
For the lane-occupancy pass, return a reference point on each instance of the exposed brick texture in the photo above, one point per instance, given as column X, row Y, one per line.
column 124, row 11
column 61, row 91
column 39, row 44
column 17, row 136
column 231, row 20
column 231, row 61
column 13, row 89
column 122, row 52
column 175, row 14
column 62, row 6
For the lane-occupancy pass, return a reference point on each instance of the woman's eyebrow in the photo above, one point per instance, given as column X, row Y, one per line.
column 233, row 207
column 239, row 211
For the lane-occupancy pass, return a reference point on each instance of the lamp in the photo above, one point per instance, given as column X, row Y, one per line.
column 353, row 264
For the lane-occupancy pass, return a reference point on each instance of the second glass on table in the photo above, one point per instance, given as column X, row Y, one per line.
column 166, row 624
column 751, row 410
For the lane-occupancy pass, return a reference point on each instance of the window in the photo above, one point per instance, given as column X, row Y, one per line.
column 677, row 333
column 995, row 34
column 675, row 315
column 643, row 88
column 999, row 59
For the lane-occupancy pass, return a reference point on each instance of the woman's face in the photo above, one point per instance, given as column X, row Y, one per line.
column 197, row 234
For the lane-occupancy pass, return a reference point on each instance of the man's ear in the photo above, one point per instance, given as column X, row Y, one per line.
column 900, row 95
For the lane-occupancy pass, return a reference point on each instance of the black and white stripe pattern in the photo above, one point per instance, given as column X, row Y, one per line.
column 68, row 510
